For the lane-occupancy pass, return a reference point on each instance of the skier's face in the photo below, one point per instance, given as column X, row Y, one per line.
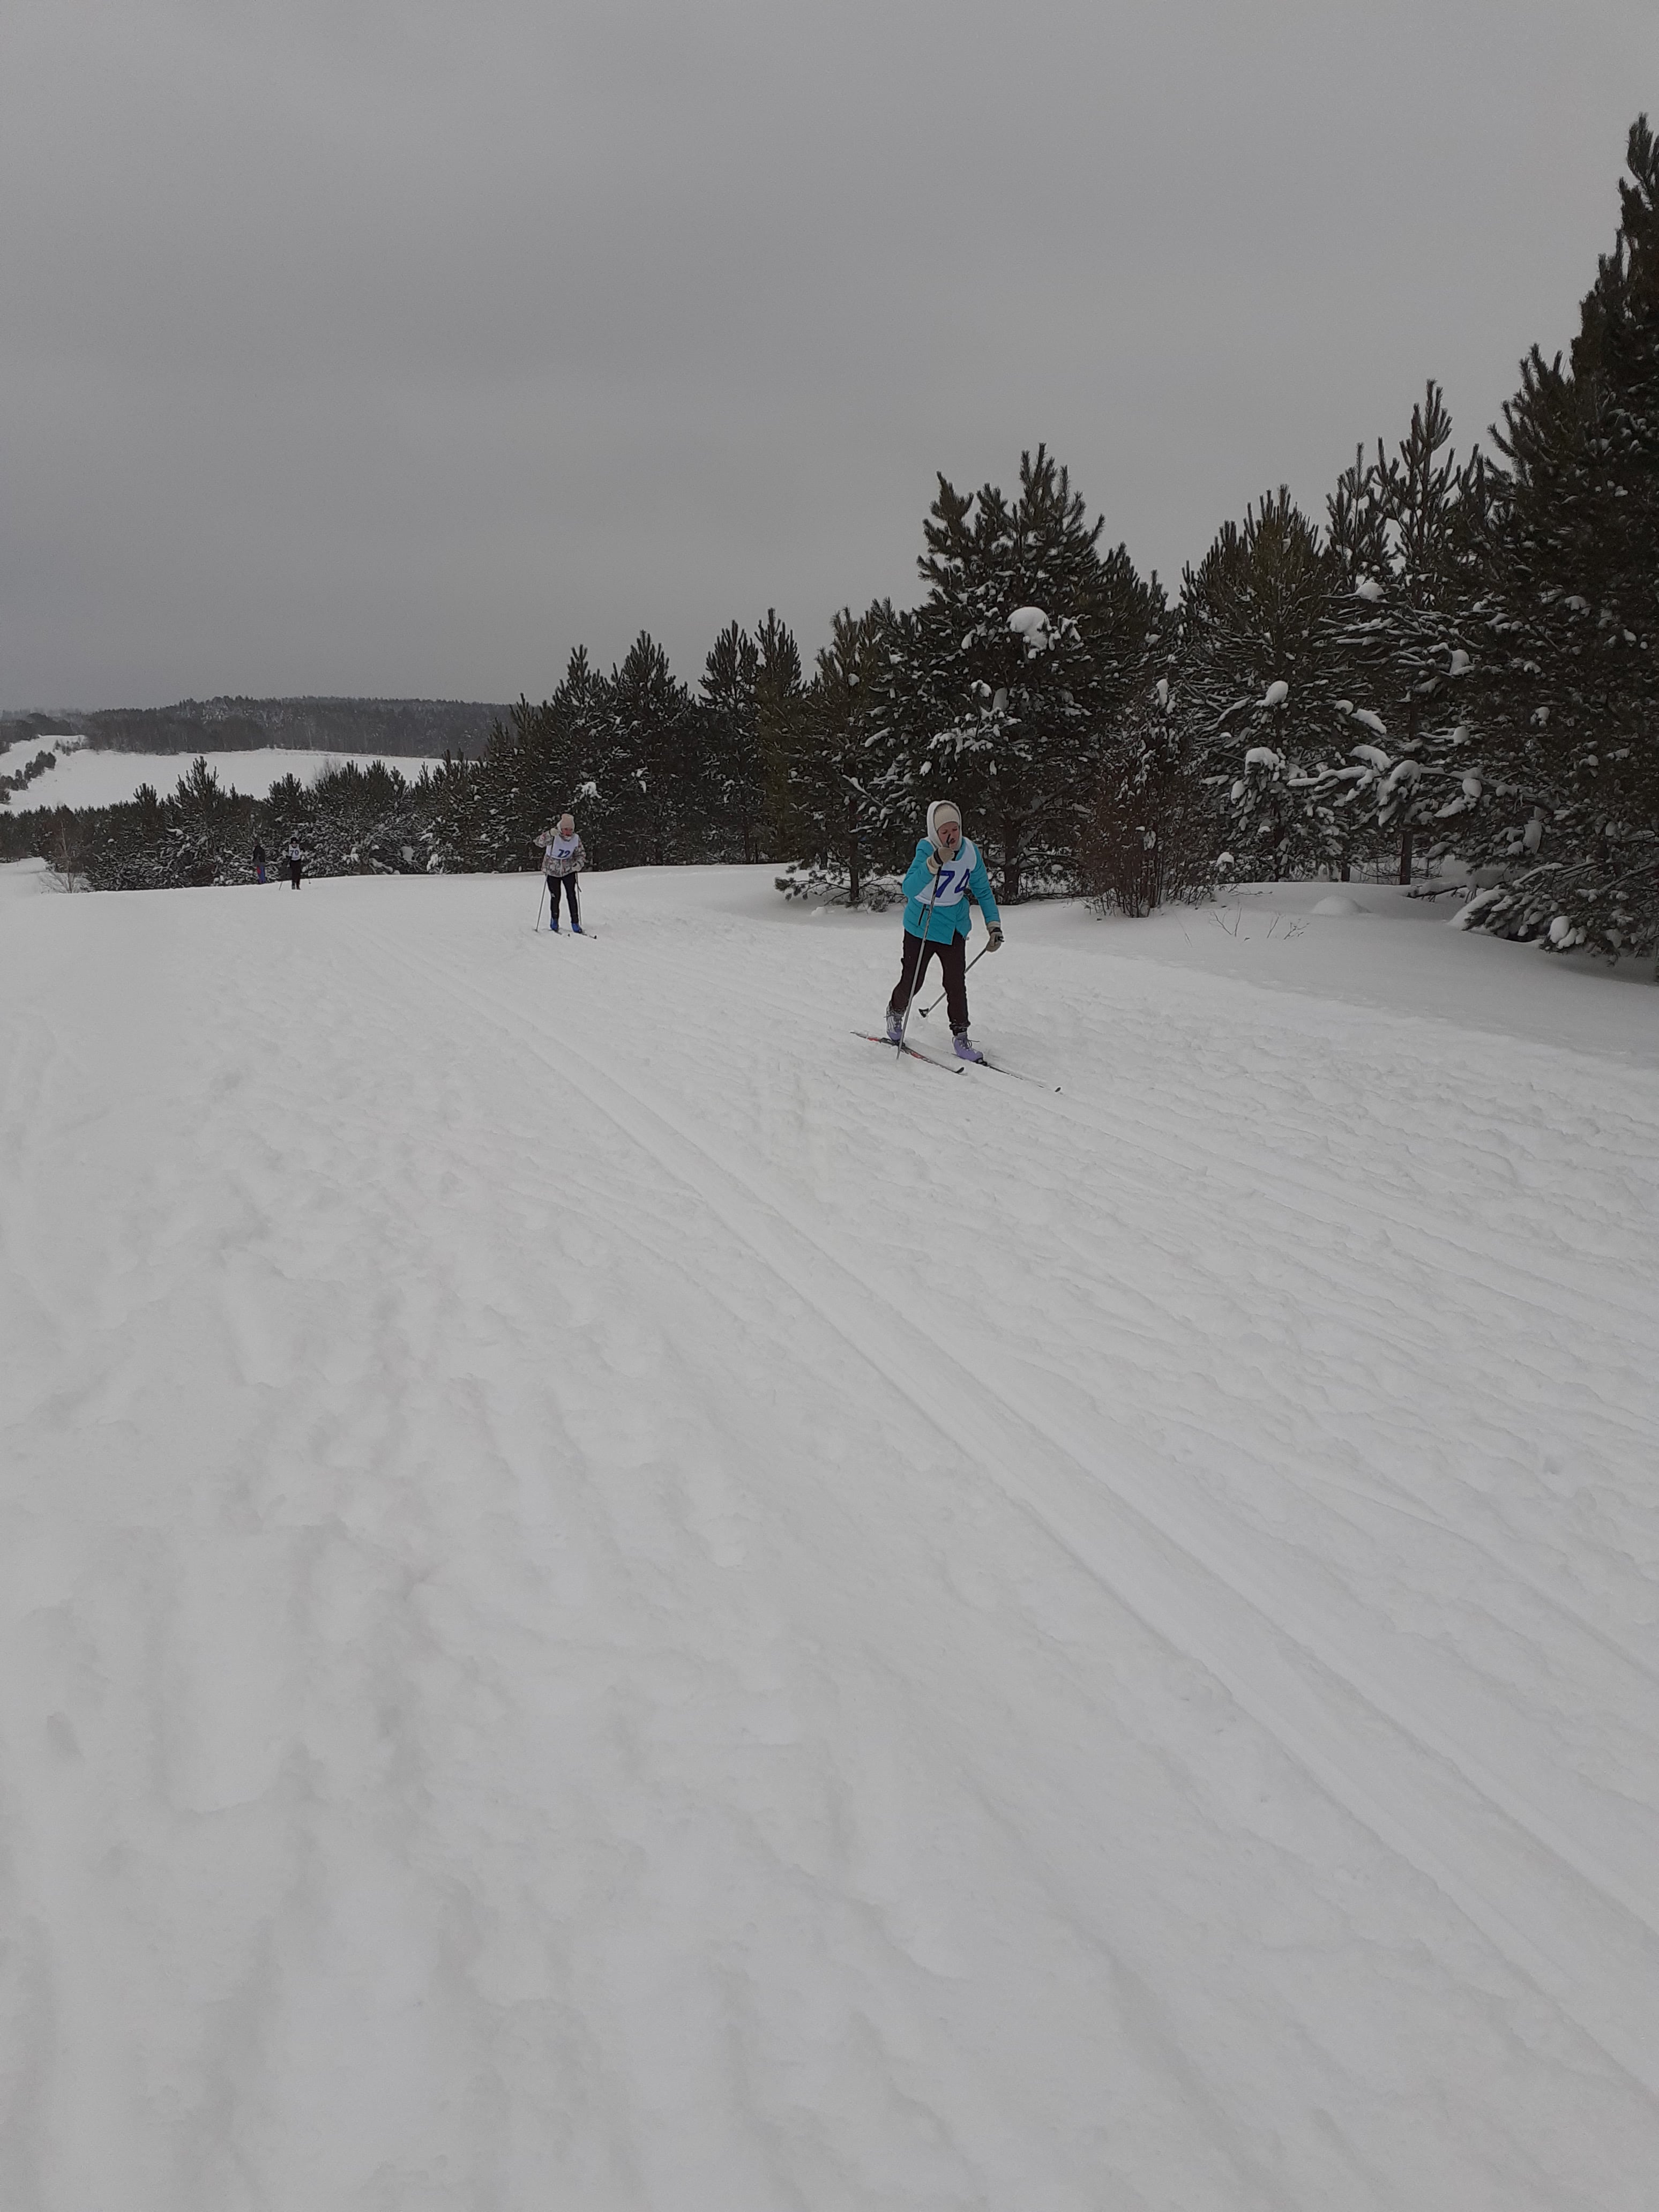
column 950, row 836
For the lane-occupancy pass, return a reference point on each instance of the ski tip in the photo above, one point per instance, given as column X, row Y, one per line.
column 1037, row 1082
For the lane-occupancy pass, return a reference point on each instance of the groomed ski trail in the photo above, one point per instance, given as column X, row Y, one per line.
column 1450, row 1844
column 606, row 1603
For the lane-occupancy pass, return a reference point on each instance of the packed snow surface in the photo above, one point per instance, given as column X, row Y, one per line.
column 85, row 778
column 608, row 1599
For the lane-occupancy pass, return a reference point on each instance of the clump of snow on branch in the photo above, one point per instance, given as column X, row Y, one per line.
column 1031, row 625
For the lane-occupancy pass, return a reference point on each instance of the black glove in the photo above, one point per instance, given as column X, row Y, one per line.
column 995, row 944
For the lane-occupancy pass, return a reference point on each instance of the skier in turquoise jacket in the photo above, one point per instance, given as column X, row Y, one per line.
column 946, row 873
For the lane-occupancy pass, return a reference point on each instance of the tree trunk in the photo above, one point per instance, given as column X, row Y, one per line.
column 1413, row 711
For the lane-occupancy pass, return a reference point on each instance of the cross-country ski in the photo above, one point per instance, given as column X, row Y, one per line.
column 902, row 1045
column 1019, row 1075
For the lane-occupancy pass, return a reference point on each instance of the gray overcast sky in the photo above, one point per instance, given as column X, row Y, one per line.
column 385, row 346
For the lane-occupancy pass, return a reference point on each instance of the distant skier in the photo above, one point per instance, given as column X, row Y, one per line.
column 562, row 861
column 259, row 862
column 294, row 859
column 946, row 870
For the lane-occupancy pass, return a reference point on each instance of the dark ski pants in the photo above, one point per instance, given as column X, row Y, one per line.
column 952, row 954
column 294, row 873
column 570, row 883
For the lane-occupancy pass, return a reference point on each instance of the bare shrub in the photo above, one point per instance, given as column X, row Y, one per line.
column 1150, row 835
column 66, row 854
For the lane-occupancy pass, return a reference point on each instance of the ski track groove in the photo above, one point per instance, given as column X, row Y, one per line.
column 1398, row 1327
column 1638, row 2059
column 1396, row 1323
column 1251, row 1173
column 1293, row 1188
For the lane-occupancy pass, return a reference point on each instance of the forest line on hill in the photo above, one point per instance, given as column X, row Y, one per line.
column 1457, row 658
column 418, row 728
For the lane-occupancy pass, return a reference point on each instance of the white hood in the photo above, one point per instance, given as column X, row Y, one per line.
column 937, row 806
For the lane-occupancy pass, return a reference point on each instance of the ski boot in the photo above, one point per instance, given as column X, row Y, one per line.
column 967, row 1049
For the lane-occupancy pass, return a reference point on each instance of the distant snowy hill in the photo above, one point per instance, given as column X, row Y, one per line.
column 608, row 1599
column 417, row 726
column 82, row 777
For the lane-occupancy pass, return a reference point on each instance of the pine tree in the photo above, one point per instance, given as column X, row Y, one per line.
column 1155, row 827
column 832, row 811
column 445, row 798
column 1407, row 534
column 624, row 752
column 545, row 761
column 1259, row 672
column 1002, row 689
column 655, row 765
column 1569, row 726
column 732, row 747
column 779, row 694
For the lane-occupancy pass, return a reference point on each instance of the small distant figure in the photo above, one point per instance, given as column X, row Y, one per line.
column 259, row 862
column 295, row 858
column 564, row 860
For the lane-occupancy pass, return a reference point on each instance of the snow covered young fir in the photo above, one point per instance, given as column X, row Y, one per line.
column 644, row 1575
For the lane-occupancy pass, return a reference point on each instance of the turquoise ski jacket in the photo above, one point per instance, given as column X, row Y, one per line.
column 949, row 915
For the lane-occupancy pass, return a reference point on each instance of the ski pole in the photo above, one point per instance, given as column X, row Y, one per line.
column 540, row 895
column 921, row 960
column 925, row 1010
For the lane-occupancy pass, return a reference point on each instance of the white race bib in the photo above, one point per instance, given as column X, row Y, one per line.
column 951, row 884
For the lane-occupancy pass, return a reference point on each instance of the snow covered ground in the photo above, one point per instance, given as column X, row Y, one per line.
column 85, row 778
column 607, row 1599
